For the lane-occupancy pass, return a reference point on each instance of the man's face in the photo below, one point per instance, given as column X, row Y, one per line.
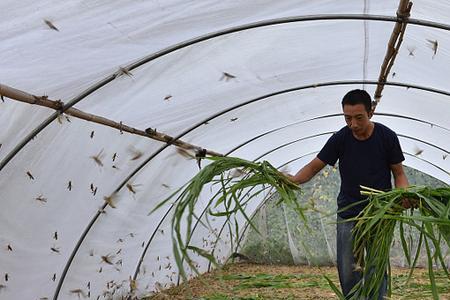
column 357, row 118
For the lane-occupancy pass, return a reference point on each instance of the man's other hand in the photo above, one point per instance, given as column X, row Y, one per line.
column 410, row 203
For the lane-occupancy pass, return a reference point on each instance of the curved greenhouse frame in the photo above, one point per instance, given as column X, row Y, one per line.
column 105, row 104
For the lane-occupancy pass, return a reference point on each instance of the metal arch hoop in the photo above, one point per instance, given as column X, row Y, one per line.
column 262, row 203
column 205, row 37
column 264, row 134
column 330, row 132
column 274, row 94
column 314, row 152
column 298, row 140
column 96, row 216
column 267, row 96
column 279, row 147
column 332, row 115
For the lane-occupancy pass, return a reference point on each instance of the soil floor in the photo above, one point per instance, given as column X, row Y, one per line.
column 242, row 281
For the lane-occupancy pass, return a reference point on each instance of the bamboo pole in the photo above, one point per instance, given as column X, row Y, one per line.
column 403, row 13
column 58, row 105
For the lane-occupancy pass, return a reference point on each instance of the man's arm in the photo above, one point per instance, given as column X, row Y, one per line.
column 308, row 171
column 400, row 179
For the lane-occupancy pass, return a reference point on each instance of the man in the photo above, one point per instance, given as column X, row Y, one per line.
column 367, row 152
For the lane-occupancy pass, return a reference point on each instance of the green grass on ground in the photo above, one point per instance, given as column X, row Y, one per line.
column 257, row 282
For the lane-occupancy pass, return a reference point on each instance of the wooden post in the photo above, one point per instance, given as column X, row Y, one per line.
column 395, row 41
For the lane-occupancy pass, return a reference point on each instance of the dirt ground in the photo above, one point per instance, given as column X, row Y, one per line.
column 244, row 281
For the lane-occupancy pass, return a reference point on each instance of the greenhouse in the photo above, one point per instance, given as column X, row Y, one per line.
column 113, row 112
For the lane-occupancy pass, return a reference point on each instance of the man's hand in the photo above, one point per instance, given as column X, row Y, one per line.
column 286, row 173
column 307, row 172
column 291, row 178
column 410, row 203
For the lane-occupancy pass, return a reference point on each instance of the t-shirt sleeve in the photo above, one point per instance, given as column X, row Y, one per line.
column 330, row 153
column 395, row 150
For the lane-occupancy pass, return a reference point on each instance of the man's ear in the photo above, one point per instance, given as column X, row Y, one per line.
column 370, row 114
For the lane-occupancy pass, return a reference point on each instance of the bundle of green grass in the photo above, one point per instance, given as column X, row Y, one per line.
column 374, row 233
column 239, row 182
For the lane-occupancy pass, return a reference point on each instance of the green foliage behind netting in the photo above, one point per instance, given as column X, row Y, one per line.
column 284, row 239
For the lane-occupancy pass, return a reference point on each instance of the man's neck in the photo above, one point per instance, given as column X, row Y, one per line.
column 366, row 134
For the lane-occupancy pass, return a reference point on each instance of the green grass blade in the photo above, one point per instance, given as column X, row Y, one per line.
column 335, row 289
column 431, row 272
column 404, row 244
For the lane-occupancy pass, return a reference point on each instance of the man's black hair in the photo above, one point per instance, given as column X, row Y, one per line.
column 358, row 97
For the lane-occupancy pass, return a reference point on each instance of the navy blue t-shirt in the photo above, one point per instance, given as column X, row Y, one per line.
column 364, row 162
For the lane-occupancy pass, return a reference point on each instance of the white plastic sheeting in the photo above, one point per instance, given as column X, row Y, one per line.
column 53, row 237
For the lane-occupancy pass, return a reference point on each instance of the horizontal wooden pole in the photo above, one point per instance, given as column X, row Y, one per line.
column 18, row 95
